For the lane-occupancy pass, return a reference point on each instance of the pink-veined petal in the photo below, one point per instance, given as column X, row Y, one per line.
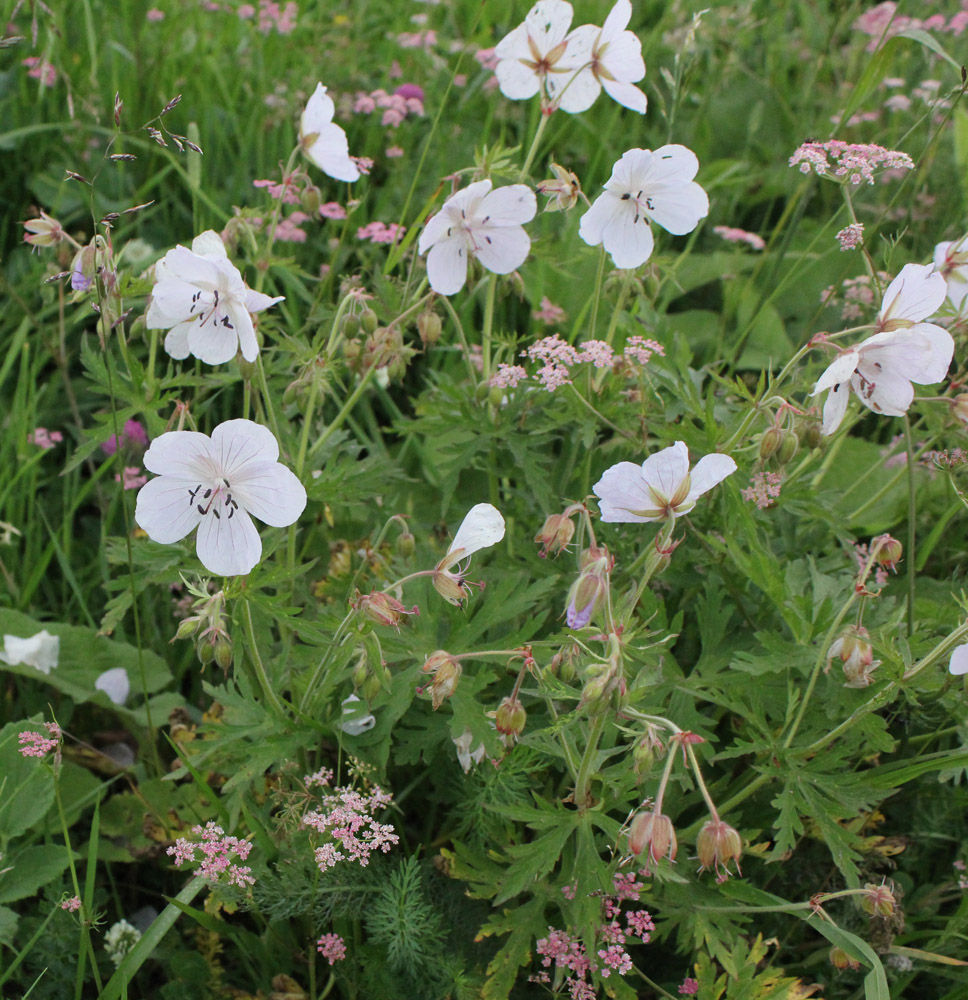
column 183, row 454
column 447, row 265
column 270, row 492
column 239, row 318
column 623, row 495
column 708, row 472
column 835, row 407
column 891, row 395
column 679, row 208
column 165, row 510
column 574, row 92
column 202, row 272
column 628, row 239
column 213, row 343
column 666, row 469
column 502, row 250
column 482, row 527
column 626, row 94
column 839, row 370
column 176, row 340
column 256, row 302
column 921, row 353
column 434, row 231
column 174, row 301
column 508, row 206
column 604, row 212
column 228, row 546
column 547, row 23
column 235, row 443
column 916, row 293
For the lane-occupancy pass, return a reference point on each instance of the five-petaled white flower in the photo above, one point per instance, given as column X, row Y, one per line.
column 216, row 483
column 608, row 57
column 951, row 260
column 662, row 487
column 322, row 141
column 535, row 50
column 199, row 297
column 645, row 185
column 903, row 350
column 480, row 222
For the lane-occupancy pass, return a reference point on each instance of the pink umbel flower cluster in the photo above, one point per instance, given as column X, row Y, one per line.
column 555, row 357
column 44, row 438
column 763, row 490
column 406, row 100
column 286, row 191
column 848, row 161
column 549, row 313
column 272, row 16
column 72, row 905
column 218, row 852
column 734, row 235
column 380, row 232
column 852, row 236
column 883, row 22
column 333, row 948
column 332, row 210
column 689, row 987
column 33, row 744
column 347, row 818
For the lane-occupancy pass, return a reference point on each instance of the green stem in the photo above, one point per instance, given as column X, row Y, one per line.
column 347, row 408
column 529, row 159
column 659, row 551
column 258, row 666
column 597, row 295
column 488, row 328
column 912, row 525
column 584, row 779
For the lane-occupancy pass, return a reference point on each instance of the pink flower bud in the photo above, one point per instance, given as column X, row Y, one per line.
column 718, row 844
column 555, row 534
column 446, row 670
column 653, row 831
column 878, row 901
column 510, row 717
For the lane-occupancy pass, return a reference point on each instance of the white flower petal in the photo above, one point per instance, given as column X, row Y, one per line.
column 628, row 238
column 41, row 651
column 626, row 94
column 839, row 370
column 434, row 230
column 891, row 395
column 576, row 92
column 623, row 55
column 548, row 22
column 255, row 302
column 166, row 510
column 835, row 407
column 666, row 469
column 176, row 340
column 228, row 546
column 115, row 684
column 244, row 330
column 270, row 492
column 508, row 206
column 447, row 265
column 503, row 250
column 209, row 244
column 355, row 719
column 236, row 443
column 330, row 152
column 202, row 272
column 624, row 496
column 213, row 343
column 516, row 81
column 482, row 527
column 672, row 164
column 916, row 293
column 678, row 208
column 958, row 664
column 708, row 472
column 186, row 454
column 318, row 112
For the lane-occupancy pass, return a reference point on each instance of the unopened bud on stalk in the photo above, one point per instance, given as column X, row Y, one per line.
column 878, row 900
column 854, row 650
column 645, row 751
column 718, row 844
column 510, row 717
column 406, row 544
column 810, row 434
column 555, row 534
column 769, row 442
column 310, row 199
column 839, row 959
column 787, row 448
column 446, row 670
column 368, row 320
column 653, row 832
column 382, row 609
column 890, row 551
column 188, row 627
column 370, row 688
column 429, row 327
column 206, row 652
column 223, row 653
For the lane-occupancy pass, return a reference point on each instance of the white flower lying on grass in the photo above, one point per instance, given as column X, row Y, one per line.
column 322, row 141
column 645, row 186
column 881, row 369
column 662, row 487
column 608, row 57
column 41, row 651
column 477, row 222
column 200, row 298
column 215, row 483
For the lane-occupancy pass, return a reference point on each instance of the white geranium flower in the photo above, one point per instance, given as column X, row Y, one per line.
column 661, row 487
column 477, row 222
column 41, row 651
column 215, row 483
column 608, row 57
column 644, row 186
column 482, row 527
column 322, row 141
column 200, row 298
column 115, row 684
column 951, row 260
column 534, row 50
column 881, row 369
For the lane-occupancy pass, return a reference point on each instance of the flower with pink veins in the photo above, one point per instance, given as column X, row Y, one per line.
column 609, row 57
column 951, row 261
column 534, row 50
column 481, row 223
column 199, row 297
column 904, row 350
column 662, row 487
column 322, row 141
column 644, row 186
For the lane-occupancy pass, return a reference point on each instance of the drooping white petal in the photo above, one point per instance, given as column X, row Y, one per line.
column 244, row 330
column 708, row 472
column 41, row 651
column 255, row 302
column 228, row 546
column 176, row 340
column 202, row 272
column 916, row 293
column 166, row 509
column 434, row 230
column 621, row 50
column 834, row 407
column 503, row 250
column 958, row 664
column 839, row 370
column 330, row 152
column 186, row 454
column 508, row 206
column 115, row 684
column 666, row 469
column 604, row 212
column 318, row 112
column 270, row 492
column 626, row 94
column 482, row 527
column 447, row 265
column 624, row 496
column 921, row 353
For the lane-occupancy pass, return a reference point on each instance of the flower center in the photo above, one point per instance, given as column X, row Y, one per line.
column 642, row 205
column 218, row 316
column 214, row 499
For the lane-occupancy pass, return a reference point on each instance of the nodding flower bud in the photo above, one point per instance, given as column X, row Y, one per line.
column 43, row 232
column 429, row 327
column 368, row 320
column 406, row 544
column 310, row 199
column 446, row 670
column 187, row 627
column 450, row 586
column 591, row 586
column 223, row 653
column 890, row 551
column 382, row 609
column 510, row 717
column 788, row 447
column 562, row 190
column 854, row 650
column 653, row 832
column 839, row 959
column 769, row 442
column 878, row 900
column 645, row 751
column 718, row 844
column 959, row 404
column 555, row 534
